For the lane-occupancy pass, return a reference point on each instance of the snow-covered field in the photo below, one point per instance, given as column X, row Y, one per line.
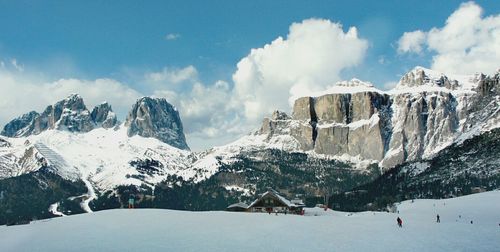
column 166, row 230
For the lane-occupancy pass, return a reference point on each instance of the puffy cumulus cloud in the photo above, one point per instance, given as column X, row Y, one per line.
column 24, row 93
column 411, row 42
column 310, row 59
column 467, row 43
column 205, row 112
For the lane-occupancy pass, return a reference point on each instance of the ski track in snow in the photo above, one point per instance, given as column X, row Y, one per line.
column 168, row 230
column 54, row 211
column 90, row 196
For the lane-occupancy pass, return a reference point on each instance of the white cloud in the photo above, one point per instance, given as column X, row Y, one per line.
column 172, row 36
column 204, row 108
column 16, row 65
column 173, row 75
column 467, row 43
column 412, row 42
column 389, row 85
column 205, row 112
column 309, row 59
column 22, row 93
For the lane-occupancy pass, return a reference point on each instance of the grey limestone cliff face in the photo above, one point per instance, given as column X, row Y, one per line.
column 69, row 114
column 352, row 124
column 279, row 124
column 104, row 116
column 345, row 123
column 155, row 117
column 426, row 112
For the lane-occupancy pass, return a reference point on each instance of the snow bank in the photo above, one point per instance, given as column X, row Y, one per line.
column 166, row 230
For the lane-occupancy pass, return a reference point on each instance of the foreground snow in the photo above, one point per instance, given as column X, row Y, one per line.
column 166, row 230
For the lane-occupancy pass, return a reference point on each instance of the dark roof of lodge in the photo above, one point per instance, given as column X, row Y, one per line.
column 278, row 196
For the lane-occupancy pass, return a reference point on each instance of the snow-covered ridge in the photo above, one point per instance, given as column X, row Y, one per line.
column 103, row 156
column 427, row 112
column 369, row 119
column 417, row 80
column 421, row 79
column 346, row 87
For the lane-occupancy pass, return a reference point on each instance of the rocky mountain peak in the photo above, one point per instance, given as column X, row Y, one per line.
column 103, row 115
column 421, row 76
column 155, row 117
column 69, row 114
column 425, row 113
column 20, row 126
column 280, row 115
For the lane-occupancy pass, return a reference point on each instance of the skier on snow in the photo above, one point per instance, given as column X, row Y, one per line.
column 400, row 222
column 438, row 220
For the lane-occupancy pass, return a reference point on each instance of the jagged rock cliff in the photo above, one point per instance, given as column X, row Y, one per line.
column 69, row 114
column 20, row 126
column 426, row 112
column 104, row 116
column 155, row 117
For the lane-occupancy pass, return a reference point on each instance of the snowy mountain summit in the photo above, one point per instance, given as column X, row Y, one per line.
column 69, row 114
column 343, row 137
column 426, row 112
column 156, row 118
column 106, row 153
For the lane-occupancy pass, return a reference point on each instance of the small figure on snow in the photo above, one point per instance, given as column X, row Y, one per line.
column 438, row 220
column 400, row 222
column 131, row 201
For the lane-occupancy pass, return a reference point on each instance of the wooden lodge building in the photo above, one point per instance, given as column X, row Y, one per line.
column 270, row 202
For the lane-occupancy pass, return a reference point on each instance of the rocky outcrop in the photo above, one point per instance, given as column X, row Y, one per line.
column 278, row 124
column 69, row 114
column 148, row 117
column 426, row 112
column 20, row 126
column 353, row 124
column 155, row 117
column 103, row 116
column 4, row 143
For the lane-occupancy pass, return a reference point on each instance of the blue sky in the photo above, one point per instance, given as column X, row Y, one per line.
column 127, row 40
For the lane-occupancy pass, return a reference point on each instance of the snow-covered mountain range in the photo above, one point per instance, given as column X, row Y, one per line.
column 78, row 144
column 353, row 123
column 426, row 112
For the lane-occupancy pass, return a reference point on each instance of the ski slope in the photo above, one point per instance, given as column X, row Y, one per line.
column 167, row 230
